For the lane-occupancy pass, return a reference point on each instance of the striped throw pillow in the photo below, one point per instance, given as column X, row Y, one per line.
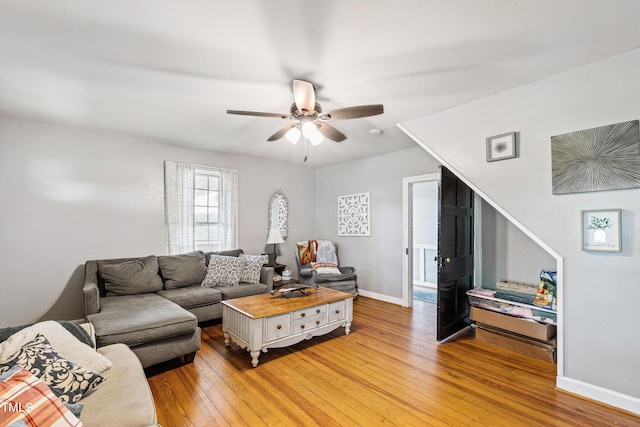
column 25, row 400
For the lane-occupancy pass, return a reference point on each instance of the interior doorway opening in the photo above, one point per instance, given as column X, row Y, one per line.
column 420, row 237
column 439, row 224
column 424, row 196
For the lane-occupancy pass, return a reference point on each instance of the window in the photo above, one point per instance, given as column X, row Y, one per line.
column 200, row 208
column 206, row 211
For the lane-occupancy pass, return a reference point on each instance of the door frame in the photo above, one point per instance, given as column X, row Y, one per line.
column 407, row 235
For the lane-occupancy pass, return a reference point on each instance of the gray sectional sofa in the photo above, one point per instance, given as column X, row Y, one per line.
column 154, row 304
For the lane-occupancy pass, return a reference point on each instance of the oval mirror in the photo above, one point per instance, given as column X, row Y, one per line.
column 279, row 213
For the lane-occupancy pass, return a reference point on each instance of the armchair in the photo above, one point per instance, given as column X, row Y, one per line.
column 319, row 265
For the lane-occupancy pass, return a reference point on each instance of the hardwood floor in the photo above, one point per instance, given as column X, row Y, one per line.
column 388, row 371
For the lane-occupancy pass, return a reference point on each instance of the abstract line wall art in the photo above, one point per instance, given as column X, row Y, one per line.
column 354, row 215
column 598, row 159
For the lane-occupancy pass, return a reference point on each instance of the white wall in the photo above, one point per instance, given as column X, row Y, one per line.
column 425, row 213
column 508, row 253
column 378, row 258
column 601, row 291
column 71, row 194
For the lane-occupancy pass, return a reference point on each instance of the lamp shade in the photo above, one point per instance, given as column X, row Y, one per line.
column 274, row 237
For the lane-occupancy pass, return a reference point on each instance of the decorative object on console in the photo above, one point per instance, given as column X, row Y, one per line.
column 354, row 215
column 501, row 147
column 598, row 159
column 601, row 230
column 293, row 291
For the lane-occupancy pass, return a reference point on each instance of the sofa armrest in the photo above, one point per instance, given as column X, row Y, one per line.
column 266, row 277
column 90, row 290
column 347, row 270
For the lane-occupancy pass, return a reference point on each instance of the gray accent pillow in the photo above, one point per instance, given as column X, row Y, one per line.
column 139, row 276
column 223, row 271
column 179, row 271
column 250, row 273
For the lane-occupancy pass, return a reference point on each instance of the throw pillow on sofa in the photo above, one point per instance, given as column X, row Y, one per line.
column 33, row 402
column 223, row 271
column 63, row 341
column 134, row 277
column 250, row 273
column 66, row 379
column 179, row 271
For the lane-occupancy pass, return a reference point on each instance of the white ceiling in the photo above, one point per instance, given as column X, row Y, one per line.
column 169, row 70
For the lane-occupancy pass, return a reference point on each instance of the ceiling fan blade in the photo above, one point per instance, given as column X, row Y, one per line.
column 330, row 132
column 259, row 114
column 304, row 96
column 353, row 112
column 281, row 132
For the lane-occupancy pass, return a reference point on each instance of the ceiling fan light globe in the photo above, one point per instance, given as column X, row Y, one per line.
column 317, row 138
column 309, row 129
column 293, row 135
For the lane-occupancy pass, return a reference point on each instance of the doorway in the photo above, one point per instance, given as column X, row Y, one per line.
column 420, row 193
column 451, row 231
column 424, row 197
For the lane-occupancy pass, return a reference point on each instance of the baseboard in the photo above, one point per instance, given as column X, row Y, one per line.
column 590, row 391
column 380, row 297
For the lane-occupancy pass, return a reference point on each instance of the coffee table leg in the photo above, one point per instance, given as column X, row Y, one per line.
column 254, row 357
column 226, row 338
column 347, row 328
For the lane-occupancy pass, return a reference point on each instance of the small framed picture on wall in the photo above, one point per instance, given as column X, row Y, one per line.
column 501, row 147
column 601, row 231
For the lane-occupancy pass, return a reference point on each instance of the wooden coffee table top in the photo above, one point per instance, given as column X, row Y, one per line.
column 265, row 305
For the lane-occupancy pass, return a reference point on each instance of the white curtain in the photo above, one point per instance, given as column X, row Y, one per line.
column 229, row 208
column 179, row 181
column 178, row 206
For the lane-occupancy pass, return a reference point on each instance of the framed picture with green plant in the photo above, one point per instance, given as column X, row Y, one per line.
column 601, row 230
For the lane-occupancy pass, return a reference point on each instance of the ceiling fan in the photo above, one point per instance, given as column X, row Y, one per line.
column 308, row 118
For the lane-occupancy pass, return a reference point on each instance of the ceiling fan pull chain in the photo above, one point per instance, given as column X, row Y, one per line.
column 306, row 148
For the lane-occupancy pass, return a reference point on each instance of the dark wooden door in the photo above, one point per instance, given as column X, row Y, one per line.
column 455, row 253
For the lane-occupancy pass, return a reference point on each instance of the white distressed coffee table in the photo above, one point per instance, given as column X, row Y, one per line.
column 260, row 322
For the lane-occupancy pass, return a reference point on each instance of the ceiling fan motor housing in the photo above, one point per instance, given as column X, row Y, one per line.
column 296, row 114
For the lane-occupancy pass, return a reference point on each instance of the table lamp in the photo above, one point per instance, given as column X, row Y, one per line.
column 273, row 240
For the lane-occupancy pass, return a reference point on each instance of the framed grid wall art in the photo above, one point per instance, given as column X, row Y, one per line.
column 354, row 215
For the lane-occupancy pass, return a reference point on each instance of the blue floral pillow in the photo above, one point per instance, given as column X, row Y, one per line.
column 67, row 380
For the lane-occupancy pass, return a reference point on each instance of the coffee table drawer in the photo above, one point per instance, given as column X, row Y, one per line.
column 308, row 312
column 277, row 327
column 337, row 311
column 308, row 324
